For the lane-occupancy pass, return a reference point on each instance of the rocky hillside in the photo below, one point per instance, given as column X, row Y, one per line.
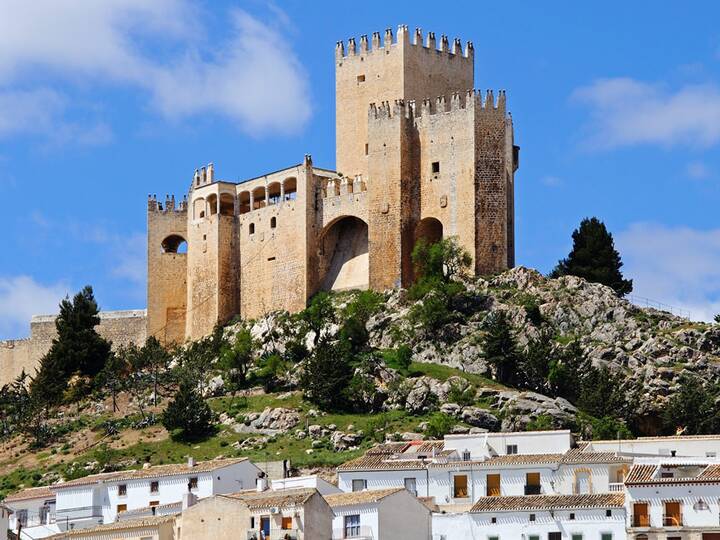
column 651, row 350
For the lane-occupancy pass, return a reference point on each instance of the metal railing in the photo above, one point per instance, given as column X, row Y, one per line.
column 277, row 534
column 81, row 512
column 642, row 301
column 672, row 520
column 357, row 533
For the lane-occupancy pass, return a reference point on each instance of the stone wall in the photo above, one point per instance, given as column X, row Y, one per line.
column 166, row 271
column 120, row 327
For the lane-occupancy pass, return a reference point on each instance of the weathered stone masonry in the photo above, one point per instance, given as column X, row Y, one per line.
column 419, row 153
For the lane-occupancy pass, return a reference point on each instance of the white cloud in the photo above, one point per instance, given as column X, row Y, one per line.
column 697, row 170
column 551, row 181
column 21, row 297
column 43, row 111
column 161, row 47
column 679, row 266
column 626, row 112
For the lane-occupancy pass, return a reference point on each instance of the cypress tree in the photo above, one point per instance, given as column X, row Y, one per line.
column 77, row 349
column 594, row 257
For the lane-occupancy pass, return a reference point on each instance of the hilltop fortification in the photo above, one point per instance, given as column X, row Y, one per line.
column 420, row 154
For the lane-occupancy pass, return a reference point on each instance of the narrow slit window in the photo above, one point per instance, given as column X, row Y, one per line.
column 273, row 222
column 252, row 228
column 435, row 167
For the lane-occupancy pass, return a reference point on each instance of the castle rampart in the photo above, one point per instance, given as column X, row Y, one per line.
column 120, row 327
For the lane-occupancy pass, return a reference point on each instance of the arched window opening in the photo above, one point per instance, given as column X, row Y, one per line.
column 227, row 204
column 259, row 197
column 199, row 208
column 212, row 204
column 274, row 193
column 251, row 228
column 244, row 202
column 430, row 230
column 174, row 244
column 290, row 188
column 273, row 222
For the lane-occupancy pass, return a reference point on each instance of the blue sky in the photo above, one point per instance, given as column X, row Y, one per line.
column 616, row 107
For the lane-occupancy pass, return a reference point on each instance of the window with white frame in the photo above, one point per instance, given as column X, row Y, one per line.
column 352, row 526
column 359, row 484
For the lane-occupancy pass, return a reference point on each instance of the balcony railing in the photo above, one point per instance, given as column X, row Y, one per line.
column 641, row 520
column 277, row 534
column 672, row 520
column 615, row 486
column 532, row 490
column 363, row 533
column 81, row 512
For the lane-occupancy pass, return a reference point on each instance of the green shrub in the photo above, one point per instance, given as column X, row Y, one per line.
column 439, row 425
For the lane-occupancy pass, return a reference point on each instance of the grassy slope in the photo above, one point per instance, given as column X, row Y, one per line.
column 154, row 445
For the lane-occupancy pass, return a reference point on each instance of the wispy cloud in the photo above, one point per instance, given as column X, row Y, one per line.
column 43, row 111
column 626, row 112
column 675, row 265
column 252, row 76
column 551, row 181
column 697, row 170
column 21, row 297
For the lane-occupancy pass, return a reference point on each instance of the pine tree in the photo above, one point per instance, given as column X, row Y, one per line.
column 327, row 374
column 77, row 349
column 692, row 409
column 188, row 415
column 594, row 257
column 501, row 351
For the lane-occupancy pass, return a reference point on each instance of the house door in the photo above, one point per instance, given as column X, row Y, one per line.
column 640, row 515
column 711, row 536
column 265, row 526
column 493, row 485
column 673, row 517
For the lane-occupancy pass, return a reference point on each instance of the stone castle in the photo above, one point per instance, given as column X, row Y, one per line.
column 419, row 154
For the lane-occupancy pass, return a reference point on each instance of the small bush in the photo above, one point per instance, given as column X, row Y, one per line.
column 439, row 425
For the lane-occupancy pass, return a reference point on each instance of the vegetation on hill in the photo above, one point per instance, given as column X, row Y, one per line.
column 451, row 354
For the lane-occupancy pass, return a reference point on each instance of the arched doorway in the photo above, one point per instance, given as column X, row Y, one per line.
column 344, row 262
column 430, row 229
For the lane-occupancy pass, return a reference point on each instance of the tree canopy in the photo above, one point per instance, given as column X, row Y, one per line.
column 594, row 257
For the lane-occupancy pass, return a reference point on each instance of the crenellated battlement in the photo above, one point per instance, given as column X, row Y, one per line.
column 168, row 206
column 429, row 43
column 442, row 104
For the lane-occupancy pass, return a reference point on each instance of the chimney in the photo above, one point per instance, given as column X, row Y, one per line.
column 188, row 500
column 262, row 483
column 191, row 462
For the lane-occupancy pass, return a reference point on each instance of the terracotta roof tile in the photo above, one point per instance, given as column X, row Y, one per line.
column 281, row 498
column 118, row 526
column 42, row 492
column 172, row 469
column 647, row 474
column 549, row 502
column 360, row 497
column 579, row 455
column 381, row 462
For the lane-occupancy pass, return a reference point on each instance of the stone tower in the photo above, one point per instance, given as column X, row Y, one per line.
column 420, row 154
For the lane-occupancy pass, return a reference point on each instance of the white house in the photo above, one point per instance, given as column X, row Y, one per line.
column 5, row 513
column 387, row 514
column 461, row 469
column 673, row 498
column 701, row 446
column 536, row 517
column 97, row 499
column 33, row 512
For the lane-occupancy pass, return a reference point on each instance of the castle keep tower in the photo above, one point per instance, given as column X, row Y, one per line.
column 420, row 154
